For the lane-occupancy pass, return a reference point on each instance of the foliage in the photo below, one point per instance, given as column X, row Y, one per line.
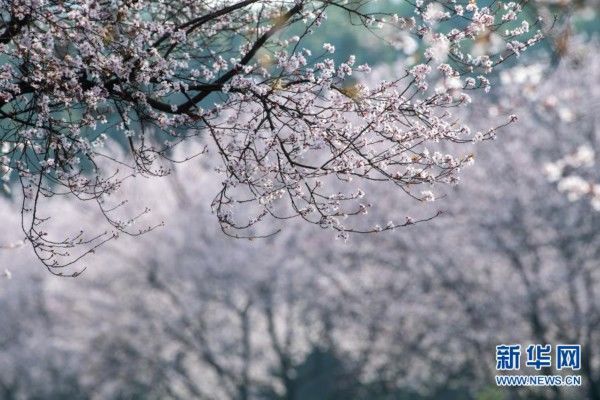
column 289, row 126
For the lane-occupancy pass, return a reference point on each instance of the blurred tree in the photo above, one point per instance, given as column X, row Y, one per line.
column 412, row 316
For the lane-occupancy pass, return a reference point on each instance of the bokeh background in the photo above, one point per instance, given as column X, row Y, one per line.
column 186, row 312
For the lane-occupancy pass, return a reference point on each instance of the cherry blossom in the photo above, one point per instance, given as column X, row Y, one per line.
column 296, row 138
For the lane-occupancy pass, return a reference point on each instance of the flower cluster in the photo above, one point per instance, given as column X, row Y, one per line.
column 81, row 77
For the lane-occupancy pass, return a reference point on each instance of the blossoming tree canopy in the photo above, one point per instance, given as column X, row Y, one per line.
column 295, row 132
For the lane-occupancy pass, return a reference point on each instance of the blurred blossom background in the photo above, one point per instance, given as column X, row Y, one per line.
column 186, row 312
